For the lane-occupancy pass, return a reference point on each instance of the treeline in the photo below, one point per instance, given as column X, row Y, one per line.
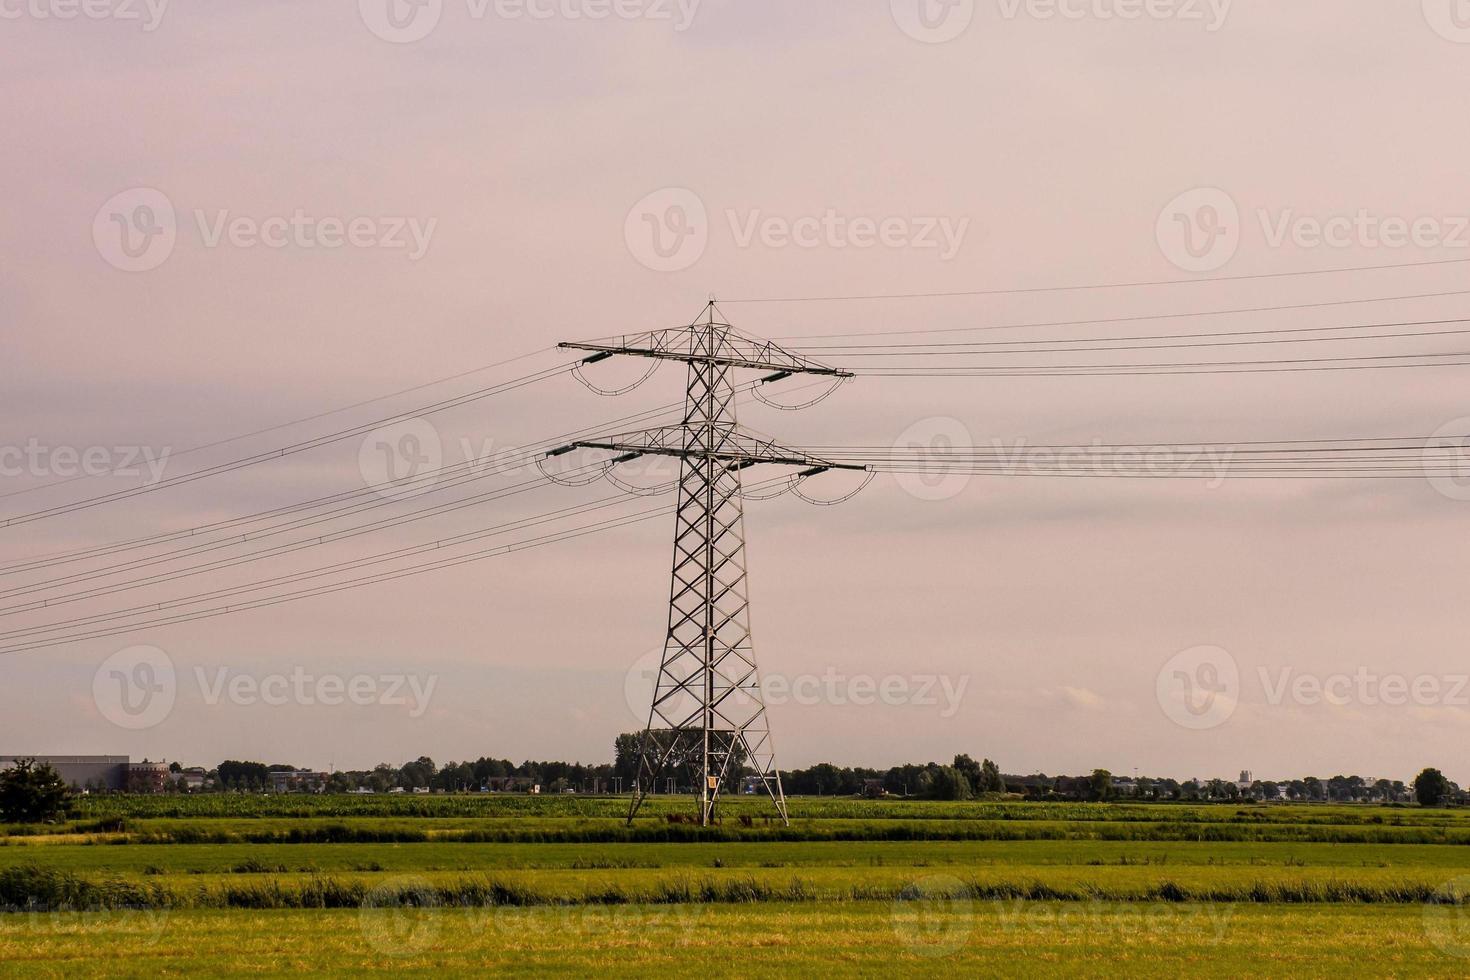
column 1102, row 785
column 420, row 774
column 962, row 779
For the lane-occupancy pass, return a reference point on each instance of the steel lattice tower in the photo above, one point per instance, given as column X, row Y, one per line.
column 708, row 713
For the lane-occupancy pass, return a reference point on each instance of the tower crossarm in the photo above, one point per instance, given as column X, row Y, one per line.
column 736, row 448
column 732, row 349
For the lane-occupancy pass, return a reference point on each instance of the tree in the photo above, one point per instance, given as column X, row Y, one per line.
column 1431, row 788
column 969, row 768
column 983, row 777
column 32, row 794
column 684, row 764
column 948, row 783
column 1100, row 785
column 625, row 756
column 903, row 780
column 243, row 775
column 420, row 772
column 383, row 778
column 826, row 779
column 991, row 780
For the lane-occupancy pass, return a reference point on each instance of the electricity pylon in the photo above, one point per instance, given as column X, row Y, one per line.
column 708, row 712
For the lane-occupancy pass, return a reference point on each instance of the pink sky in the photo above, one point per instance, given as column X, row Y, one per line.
column 523, row 143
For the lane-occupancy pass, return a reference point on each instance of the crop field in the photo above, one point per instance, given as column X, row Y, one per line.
column 135, row 886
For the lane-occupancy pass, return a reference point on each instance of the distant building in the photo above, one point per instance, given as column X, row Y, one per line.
column 147, row 777
column 103, row 773
column 82, row 772
column 873, row 788
column 193, row 778
column 299, row 780
column 1032, row 787
column 511, row 784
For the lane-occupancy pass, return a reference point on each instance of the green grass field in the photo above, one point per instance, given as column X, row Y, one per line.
column 1027, row 939
column 235, row 885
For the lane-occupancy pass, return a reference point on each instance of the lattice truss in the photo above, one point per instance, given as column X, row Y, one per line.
column 708, row 714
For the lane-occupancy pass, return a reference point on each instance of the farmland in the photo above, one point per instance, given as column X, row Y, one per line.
column 347, row 884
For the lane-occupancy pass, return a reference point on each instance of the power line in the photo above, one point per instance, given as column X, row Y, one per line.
column 284, row 548
column 294, row 422
column 35, row 632
column 356, row 583
column 1284, row 475
column 218, row 564
column 273, row 454
column 1178, row 368
column 401, row 490
column 320, row 571
column 1017, row 291
column 1135, row 318
column 1433, row 457
column 953, row 350
column 427, row 482
column 919, row 350
column 1411, row 443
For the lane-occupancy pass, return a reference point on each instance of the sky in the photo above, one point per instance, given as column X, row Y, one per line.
column 227, row 220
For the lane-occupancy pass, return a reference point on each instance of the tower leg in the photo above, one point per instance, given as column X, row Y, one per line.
column 708, row 715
